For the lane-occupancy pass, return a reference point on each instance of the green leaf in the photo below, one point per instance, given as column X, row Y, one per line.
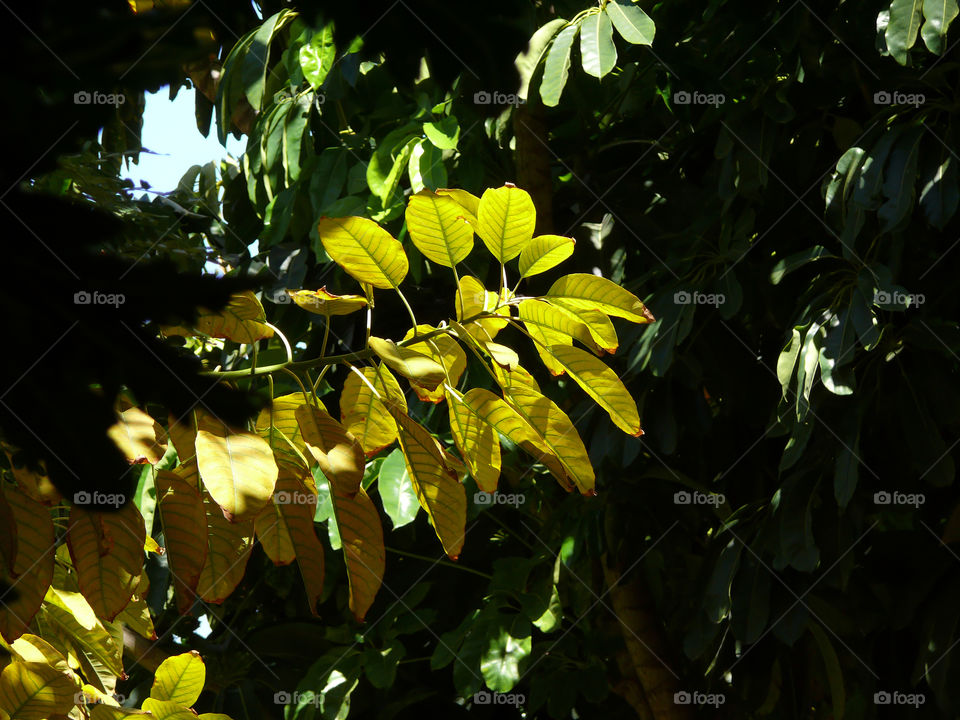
column 500, row 664
column 529, row 60
column 901, row 34
column 426, row 168
column 838, row 695
column 938, row 15
column 318, row 56
column 444, row 134
column 179, row 679
column 901, row 176
column 597, row 51
column 255, row 63
column 556, row 68
column 380, row 665
column 940, row 193
column 396, row 490
column 633, row 24
column 797, row 260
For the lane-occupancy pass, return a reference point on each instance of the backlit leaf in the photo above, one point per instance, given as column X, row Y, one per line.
column 364, row 415
column 179, row 679
column 592, row 292
column 396, row 490
column 242, row 320
column 436, row 226
column 107, row 552
column 446, row 352
column 237, row 467
column 67, row 619
column 36, row 691
column 468, row 202
column 413, row 365
column 184, row 521
column 365, row 250
column 545, row 252
column 477, row 440
column 318, row 56
column 228, row 549
column 361, row 535
column 140, row 438
column 633, row 24
column 325, row 303
column 166, row 710
column 337, row 452
column 556, row 67
column 505, row 221
column 473, row 299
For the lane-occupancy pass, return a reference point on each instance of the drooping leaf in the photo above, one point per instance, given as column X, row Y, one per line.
column 597, row 49
column 67, row 620
column 298, row 519
column 545, row 252
column 107, row 552
column 898, row 186
column 285, row 439
column 228, row 549
column 32, row 566
column 365, row 250
column 556, row 67
column 592, row 292
column 505, row 221
column 444, row 133
column 325, row 303
column 396, row 490
column 337, row 452
column 364, row 415
column 443, row 350
column 633, row 24
column 436, row 226
column 471, row 300
column 550, row 325
column 184, row 521
column 243, row 320
column 901, row 32
column 437, row 487
column 477, row 440
column 140, row 438
column 502, row 355
column 413, row 365
column 179, row 679
column 938, row 15
column 36, row 691
column 361, row 535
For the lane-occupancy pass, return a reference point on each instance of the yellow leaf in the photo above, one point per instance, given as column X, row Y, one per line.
column 237, row 467
column 422, row 369
column 509, row 377
column 36, row 485
column 272, row 531
column 557, row 436
column 67, row 619
column 337, row 452
column 436, row 485
column 166, row 710
column 139, row 437
column 437, row 228
column 152, row 546
column 228, row 549
column 32, row 649
column 597, row 323
column 477, row 440
column 468, row 202
column 136, row 615
column 322, row 302
column 592, row 292
column 502, row 355
column 506, row 218
column 446, row 352
column 242, row 320
column 545, row 252
column 471, row 300
column 179, row 679
column 183, row 435
column 105, row 712
column 107, row 553
column 286, row 441
column 602, row 384
column 549, row 325
column 298, row 520
column 184, row 519
column 365, row 250
column 364, row 415
column 361, row 534
column 36, row 691
column 32, row 565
